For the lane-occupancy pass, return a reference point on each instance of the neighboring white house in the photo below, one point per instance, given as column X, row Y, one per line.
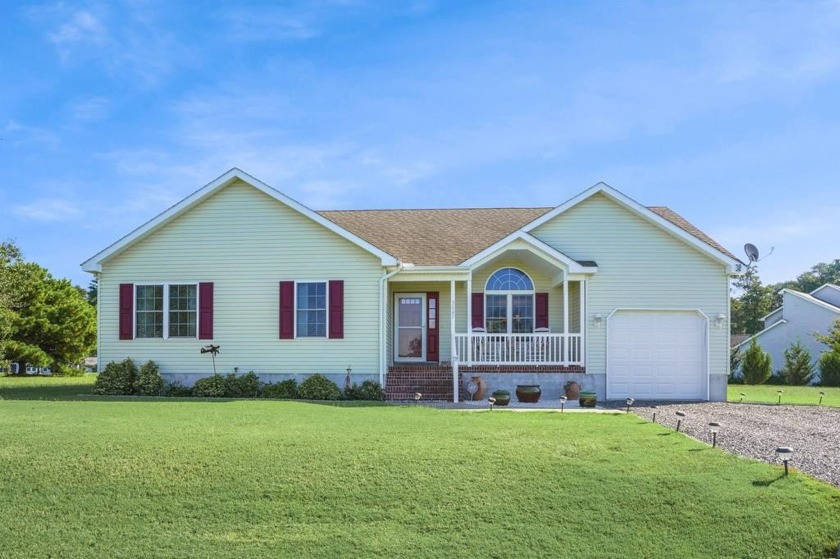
column 629, row 300
column 797, row 320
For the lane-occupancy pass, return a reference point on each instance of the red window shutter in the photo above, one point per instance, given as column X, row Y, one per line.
column 432, row 326
column 126, row 311
column 541, row 310
column 336, row 308
column 205, row 311
column 478, row 310
column 287, row 310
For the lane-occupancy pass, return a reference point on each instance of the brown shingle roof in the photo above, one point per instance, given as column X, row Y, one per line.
column 683, row 224
column 448, row 237
column 434, row 237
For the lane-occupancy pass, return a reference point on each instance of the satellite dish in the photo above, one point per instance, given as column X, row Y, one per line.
column 752, row 252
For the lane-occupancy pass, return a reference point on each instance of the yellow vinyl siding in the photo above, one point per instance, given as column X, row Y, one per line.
column 640, row 265
column 246, row 243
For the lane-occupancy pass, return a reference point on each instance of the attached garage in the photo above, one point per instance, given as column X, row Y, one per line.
column 657, row 355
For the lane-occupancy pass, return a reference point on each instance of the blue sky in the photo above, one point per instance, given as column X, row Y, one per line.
column 725, row 111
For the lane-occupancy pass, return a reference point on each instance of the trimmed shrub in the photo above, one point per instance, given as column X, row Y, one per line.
column 242, row 386
column 798, row 369
column 149, row 382
column 830, row 368
column 319, row 387
column 177, row 390
column 368, row 390
column 755, row 365
column 210, row 387
column 283, row 390
column 117, row 379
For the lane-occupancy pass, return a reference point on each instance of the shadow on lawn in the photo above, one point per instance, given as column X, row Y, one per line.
column 767, row 482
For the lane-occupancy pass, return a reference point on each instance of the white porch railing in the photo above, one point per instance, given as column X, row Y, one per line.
column 519, row 349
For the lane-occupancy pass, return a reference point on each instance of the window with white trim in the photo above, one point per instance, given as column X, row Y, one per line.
column 311, row 309
column 166, row 310
column 509, row 302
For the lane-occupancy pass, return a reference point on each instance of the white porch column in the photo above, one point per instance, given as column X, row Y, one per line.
column 581, row 301
column 469, row 356
column 453, row 348
column 565, row 318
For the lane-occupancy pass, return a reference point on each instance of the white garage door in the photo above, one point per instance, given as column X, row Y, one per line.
column 656, row 355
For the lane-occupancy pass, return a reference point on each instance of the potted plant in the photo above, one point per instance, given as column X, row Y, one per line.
column 572, row 389
column 502, row 397
column 528, row 393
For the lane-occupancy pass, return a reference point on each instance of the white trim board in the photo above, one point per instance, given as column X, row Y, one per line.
column 94, row 263
column 734, row 266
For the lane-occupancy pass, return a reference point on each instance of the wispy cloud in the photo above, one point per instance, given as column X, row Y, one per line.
column 81, row 27
column 91, row 109
column 269, row 24
column 49, row 209
column 22, row 135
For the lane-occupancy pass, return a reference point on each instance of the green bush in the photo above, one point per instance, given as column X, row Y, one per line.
column 149, row 382
column 830, row 368
column 242, row 386
column 319, row 387
column 369, row 390
column 175, row 389
column 62, row 370
column 210, row 387
column 755, row 365
column 117, row 379
column 283, row 390
column 798, row 369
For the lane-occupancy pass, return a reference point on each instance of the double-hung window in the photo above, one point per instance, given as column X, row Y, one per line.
column 311, row 299
column 509, row 302
column 166, row 310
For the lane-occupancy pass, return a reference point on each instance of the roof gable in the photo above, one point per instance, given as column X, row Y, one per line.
column 811, row 299
column 663, row 217
column 94, row 264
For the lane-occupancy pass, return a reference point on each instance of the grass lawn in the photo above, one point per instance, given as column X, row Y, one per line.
column 152, row 478
column 766, row 393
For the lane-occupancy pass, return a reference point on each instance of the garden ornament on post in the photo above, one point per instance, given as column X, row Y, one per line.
column 213, row 350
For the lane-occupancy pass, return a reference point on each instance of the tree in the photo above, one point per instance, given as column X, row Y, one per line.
column 93, row 291
column 754, row 303
column 832, row 340
column 44, row 321
column 798, row 369
column 819, row 274
column 830, row 369
column 755, row 365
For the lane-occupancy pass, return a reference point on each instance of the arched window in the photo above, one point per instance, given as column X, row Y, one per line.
column 509, row 302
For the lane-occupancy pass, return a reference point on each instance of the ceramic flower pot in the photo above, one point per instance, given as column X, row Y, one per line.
column 502, row 397
column 588, row 399
column 572, row 389
column 528, row 393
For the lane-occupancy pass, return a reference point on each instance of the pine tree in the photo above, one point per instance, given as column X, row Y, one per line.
column 755, row 365
column 798, row 369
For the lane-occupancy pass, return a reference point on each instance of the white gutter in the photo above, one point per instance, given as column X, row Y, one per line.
column 382, row 321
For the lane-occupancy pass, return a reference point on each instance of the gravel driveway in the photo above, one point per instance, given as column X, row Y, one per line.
column 756, row 430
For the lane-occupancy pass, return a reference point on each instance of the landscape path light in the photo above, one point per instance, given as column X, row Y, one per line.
column 654, row 413
column 680, row 415
column 785, row 454
column 779, row 392
column 562, row 403
column 714, row 427
column 629, row 403
column 492, row 401
column 417, row 397
column 821, row 397
column 742, row 395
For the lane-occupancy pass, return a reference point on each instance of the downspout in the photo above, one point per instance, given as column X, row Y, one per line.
column 382, row 321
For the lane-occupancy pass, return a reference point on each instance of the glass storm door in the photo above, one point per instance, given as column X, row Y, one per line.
column 410, row 327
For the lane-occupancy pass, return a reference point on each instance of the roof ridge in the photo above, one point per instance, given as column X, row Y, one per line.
column 438, row 209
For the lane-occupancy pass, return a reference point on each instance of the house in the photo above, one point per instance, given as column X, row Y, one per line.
column 631, row 301
column 800, row 316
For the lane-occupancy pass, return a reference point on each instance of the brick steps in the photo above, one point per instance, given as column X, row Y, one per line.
column 432, row 382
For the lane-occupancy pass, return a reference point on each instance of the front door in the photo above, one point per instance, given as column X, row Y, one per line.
column 410, row 327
